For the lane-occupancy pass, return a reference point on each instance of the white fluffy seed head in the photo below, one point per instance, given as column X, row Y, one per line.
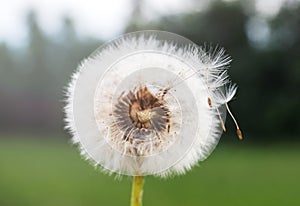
column 148, row 103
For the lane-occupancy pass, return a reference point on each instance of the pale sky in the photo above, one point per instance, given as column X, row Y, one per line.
column 96, row 18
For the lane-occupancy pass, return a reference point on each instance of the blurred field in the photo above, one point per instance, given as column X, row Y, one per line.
column 51, row 172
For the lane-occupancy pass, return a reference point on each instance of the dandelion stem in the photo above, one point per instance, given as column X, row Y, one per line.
column 137, row 191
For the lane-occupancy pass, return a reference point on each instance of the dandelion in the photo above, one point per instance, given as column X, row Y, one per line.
column 149, row 103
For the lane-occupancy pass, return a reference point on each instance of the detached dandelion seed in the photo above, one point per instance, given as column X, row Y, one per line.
column 149, row 103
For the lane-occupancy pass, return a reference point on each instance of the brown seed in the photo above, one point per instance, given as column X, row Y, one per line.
column 209, row 102
column 239, row 133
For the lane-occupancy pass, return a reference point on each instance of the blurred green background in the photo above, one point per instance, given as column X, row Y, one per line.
column 38, row 165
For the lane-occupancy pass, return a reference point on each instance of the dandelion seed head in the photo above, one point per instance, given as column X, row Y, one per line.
column 148, row 103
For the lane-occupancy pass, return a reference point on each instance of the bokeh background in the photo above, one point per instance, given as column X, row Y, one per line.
column 42, row 42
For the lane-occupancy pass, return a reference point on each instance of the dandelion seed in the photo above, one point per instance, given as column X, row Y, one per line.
column 149, row 103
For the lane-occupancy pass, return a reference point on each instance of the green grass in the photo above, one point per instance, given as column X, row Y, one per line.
column 48, row 172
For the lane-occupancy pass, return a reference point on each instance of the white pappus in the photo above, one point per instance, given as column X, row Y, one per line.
column 149, row 103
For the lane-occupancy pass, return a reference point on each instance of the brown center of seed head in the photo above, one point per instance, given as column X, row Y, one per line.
column 140, row 109
column 140, row 113
column 140, row 118
column 144, row 116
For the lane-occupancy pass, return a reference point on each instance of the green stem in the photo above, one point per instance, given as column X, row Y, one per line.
column 137, row 191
